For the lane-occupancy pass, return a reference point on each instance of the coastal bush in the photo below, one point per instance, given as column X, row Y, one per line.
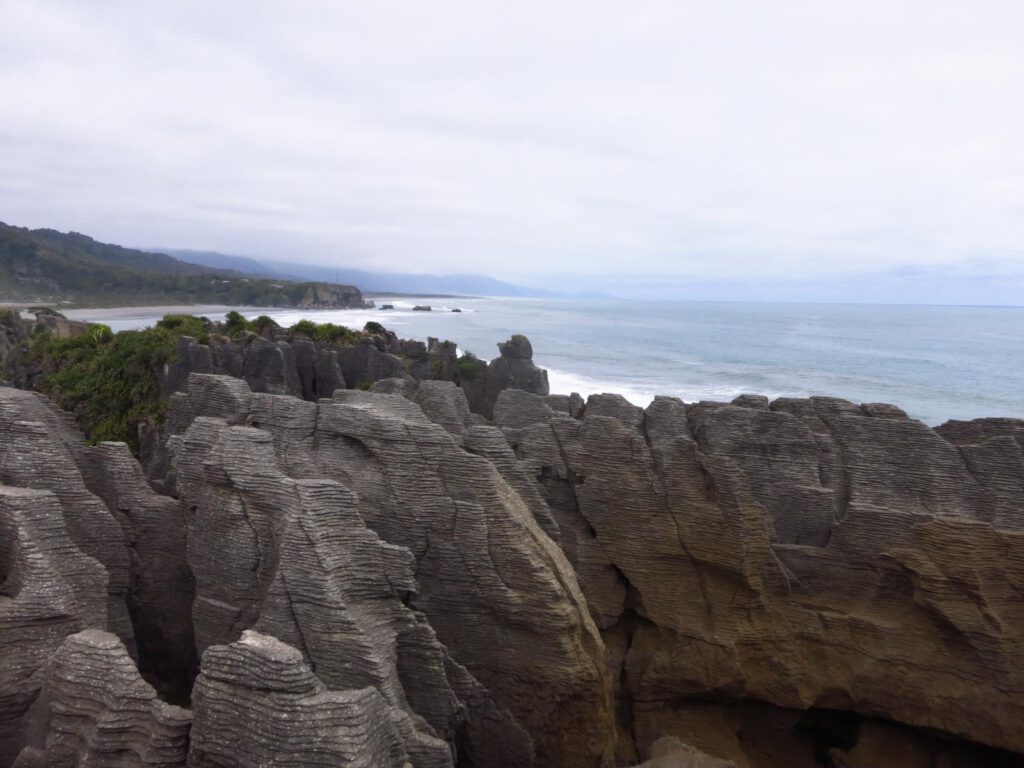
column 326, row 333
column 188, row 325
column 374, row 327
column 468, row 366
column 235, row 324
column 264, row 324
column 109, row 381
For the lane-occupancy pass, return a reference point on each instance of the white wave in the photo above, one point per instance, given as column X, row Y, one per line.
column 565, row 382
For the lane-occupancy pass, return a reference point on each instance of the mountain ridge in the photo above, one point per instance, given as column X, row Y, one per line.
column 371, row 281
column 45, row 266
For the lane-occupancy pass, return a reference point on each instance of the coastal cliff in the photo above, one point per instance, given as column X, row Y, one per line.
column 450, row 572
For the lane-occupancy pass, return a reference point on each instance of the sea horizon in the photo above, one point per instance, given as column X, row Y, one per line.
column 936, row 362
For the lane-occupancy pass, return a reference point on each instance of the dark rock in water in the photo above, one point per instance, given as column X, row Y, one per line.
column 387, row 306
column 94, row 709
column 421, row 308
column 456, row 309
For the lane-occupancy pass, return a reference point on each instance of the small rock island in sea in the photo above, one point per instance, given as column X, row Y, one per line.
column 358, row 550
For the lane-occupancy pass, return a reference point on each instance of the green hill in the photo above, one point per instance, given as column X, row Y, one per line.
column 43, row 266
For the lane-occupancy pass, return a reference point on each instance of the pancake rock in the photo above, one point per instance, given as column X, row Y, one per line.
column 95, row 709
column 49, row 589
column 258, row 703
column 304, row 568
column 162, row 586
column 41, row 448
column 810, row 554
column 496, row 590
column 512, row 369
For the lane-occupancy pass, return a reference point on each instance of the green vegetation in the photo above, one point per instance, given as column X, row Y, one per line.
column 374, row 327
column 188, row 325
column 326, row 333
column 107, row 380
column 469, row 366
column 110, row 381
column 42, row 265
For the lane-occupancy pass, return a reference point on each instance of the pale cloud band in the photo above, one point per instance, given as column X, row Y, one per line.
column 695, row 139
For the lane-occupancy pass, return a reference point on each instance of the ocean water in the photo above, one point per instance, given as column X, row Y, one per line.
column 937, row 363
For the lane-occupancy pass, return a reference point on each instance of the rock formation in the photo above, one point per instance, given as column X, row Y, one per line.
column 95, row 709
column 393, row 577
column 49, row 589
column 497, row 591
column 814, row 554
column 512, row 369
column 258, row 703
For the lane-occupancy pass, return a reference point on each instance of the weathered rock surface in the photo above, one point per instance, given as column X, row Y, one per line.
column 384, row 578
column 512, row 369
column 305, row 569
column 258, row 703
column 49, row 589
column 670, row 752
column 814, row 554
column 40, row 448
column 95, row 710
column 162, row 586
column 470, row 557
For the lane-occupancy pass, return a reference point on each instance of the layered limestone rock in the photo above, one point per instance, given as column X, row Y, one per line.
column 258, row 703
column 95, row 710
column 49, row 589
column 40, row 448
column 496, row 590
column 305, row 569
column 161, row 583
column 808, row 554
column 384, row 578
column 512, row 369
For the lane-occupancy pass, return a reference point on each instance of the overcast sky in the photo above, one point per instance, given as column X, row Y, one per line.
column 782, row 139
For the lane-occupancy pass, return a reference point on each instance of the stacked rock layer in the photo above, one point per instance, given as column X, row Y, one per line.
column 397, row 578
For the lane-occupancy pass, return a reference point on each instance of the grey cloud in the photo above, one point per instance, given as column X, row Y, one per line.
column 795, row 139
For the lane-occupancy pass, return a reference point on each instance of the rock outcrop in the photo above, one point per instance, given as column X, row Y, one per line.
column 389, row 577
column 258, row 703
column 40, row 448
column 470, row 556
column 49, row 589
column 95, row 710
column 814, row 554
column 512, row 369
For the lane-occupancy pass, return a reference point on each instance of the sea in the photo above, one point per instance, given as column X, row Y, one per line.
column 935, row 362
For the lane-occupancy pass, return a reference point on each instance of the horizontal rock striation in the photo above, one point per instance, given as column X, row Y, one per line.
column 470, row 557
column 391, row 577
column 258, row 703
column 49, row 589
column 809, row 554
column 95, row 710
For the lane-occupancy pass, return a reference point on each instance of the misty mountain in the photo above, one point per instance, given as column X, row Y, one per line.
column 45, row 266
column 369, row 281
